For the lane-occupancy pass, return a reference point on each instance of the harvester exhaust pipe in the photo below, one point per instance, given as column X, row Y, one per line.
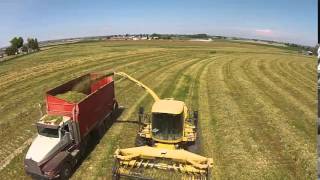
column 141, row 112
column 195, row 118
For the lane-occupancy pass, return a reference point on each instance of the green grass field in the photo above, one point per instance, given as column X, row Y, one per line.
column 257, row 103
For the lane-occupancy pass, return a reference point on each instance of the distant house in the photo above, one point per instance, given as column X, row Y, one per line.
column 20, row 50
column 2, row 54
column 119, row 38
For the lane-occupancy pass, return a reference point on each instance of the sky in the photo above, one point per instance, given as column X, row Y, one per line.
column 292, row 21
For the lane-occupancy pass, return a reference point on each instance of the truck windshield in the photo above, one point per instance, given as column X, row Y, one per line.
column 167, row 126
column 48, row 132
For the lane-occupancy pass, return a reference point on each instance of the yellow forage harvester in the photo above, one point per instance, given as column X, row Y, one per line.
column 162, row 142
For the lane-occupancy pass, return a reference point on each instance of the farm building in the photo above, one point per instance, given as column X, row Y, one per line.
column 2, row 53
column 310, row 53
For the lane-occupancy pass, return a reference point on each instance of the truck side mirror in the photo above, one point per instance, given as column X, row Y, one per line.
column 67, row 134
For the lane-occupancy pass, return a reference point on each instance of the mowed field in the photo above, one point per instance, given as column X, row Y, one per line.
column 256, row 103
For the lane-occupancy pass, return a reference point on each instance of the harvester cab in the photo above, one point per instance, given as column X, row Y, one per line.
column 168, row 124
column 164, row 136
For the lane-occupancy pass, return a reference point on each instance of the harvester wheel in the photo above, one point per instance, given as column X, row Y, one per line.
column 115, row 174
column 140, row 141
column 194, row 146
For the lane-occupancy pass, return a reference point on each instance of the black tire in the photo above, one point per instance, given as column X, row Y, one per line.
column 114, row 112
column 101, row 130
column 66, row 171
column 194, row 146
column 83, row 147
column 115, row 106
column 115, row 174
column 140, row 141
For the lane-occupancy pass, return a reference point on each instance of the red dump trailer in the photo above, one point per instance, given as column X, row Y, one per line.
column 62, row 140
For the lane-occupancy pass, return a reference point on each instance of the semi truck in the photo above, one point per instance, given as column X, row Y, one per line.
column 63, row 139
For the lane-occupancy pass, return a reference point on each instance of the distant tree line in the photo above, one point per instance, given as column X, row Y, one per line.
column 18, row 46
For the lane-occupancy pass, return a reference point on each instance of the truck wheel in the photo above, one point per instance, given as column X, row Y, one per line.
column 66, row 171
column 114, row 110
column 101, row 130
column 115, row 106
column 83, row 147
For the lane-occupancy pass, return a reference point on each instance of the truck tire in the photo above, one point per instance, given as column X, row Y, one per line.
column 115, row 106
column 114, row 110
column 101, row 130
column 83, row 147
column 66, row 171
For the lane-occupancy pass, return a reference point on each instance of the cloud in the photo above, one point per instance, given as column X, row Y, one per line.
column 264, row 32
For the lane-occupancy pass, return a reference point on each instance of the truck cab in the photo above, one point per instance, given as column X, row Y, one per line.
column 52, row 137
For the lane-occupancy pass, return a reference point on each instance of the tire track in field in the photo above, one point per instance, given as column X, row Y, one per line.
column 310, row 68
column 287, row 76
column 295, row 73
column 303, row 96
column 294, row 146
column 192, row 100
column 306, row 66
column 135, row 103
column 29, row 139
column 264, row 141
column 293, row 77
column 249, row 143
column 220, row 129
column 296, row 65
column 204, row 120
column 296, row 111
